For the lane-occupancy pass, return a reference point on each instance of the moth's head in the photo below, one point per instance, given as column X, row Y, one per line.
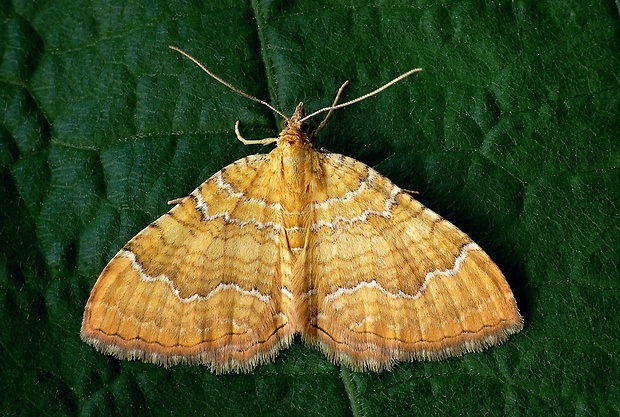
column 295, row 128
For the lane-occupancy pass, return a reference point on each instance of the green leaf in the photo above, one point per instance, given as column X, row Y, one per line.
column 511, row 132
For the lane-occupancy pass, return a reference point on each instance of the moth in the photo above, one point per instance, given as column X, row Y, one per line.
column 299, row 241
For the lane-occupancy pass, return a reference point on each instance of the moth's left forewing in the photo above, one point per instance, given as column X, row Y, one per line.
column 201, row 284
column 388, row 279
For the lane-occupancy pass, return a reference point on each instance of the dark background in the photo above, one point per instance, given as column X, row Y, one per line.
column 511, row 132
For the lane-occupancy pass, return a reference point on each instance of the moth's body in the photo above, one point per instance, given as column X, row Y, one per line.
column 298, row 241
column 296, row 163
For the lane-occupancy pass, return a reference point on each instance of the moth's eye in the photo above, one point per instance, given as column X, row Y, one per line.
column 304, row 127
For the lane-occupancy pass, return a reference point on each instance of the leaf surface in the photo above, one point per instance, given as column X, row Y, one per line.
column 511, row 133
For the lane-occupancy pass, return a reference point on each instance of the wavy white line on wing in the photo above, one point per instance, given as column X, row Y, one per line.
column 456, row 267
column 194, row 297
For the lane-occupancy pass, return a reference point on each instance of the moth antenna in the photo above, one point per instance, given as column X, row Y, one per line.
column 365, row 96
column 324, row 122
column 232, row 87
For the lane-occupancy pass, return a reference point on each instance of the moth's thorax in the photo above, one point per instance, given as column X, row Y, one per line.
column 295, row 165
